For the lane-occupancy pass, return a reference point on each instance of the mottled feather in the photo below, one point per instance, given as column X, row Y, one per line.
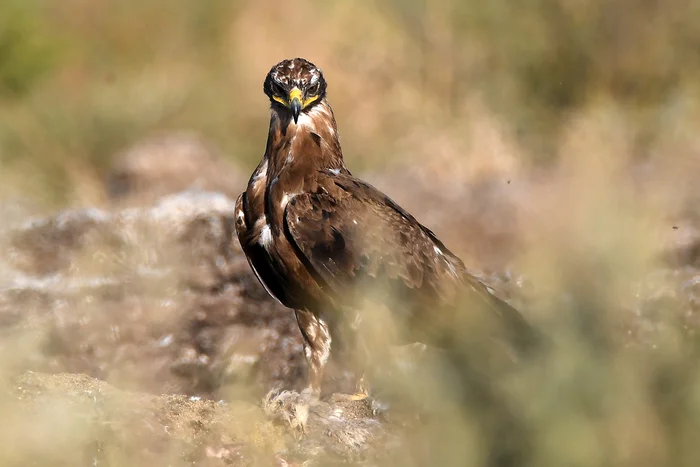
column 323, row 242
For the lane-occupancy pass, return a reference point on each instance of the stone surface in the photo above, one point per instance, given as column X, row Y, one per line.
column 158, row 298
column 101, row 425
column 134, row 321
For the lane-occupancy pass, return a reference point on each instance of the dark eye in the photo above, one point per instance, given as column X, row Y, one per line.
column 278, row 89
column 313, row 90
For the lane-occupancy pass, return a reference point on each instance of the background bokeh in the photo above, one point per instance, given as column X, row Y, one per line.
column 553, row 144
column 409, row 80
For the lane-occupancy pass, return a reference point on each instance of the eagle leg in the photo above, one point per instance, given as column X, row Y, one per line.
column 357, row 356
column 362, row 387
column 361, row 391
column 317, row 347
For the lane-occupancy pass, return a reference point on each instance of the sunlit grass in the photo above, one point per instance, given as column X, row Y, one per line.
column 590, row 109
column 109, row 73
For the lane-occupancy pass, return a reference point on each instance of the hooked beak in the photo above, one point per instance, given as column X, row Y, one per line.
column 295, row 103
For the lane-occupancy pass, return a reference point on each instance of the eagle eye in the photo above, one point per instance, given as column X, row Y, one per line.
column 278, row 89
column 313, row 90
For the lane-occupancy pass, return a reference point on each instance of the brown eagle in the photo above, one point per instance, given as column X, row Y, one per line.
column 321, row 241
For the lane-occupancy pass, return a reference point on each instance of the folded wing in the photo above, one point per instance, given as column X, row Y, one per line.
column 357, row 242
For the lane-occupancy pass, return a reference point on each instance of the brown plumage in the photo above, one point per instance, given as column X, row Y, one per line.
column 322, row 241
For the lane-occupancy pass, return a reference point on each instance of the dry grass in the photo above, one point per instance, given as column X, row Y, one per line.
column 583, row 115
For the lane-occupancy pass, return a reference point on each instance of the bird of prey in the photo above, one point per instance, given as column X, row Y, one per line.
column 319, row 238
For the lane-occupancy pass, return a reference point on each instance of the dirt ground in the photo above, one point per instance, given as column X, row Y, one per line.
column 142, row 320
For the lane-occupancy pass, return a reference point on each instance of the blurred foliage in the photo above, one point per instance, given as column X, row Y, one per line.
column 117, row 80
column 586, row 87
column 26, row 53
column 540, row 61
column 90, row 77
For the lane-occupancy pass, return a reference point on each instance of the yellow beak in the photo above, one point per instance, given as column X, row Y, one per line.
column 295, row 93
column 295, row 104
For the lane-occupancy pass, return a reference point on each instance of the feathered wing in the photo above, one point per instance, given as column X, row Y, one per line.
column 264, row 266
column 353, row 237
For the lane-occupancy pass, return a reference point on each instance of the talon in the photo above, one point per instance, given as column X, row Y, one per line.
column 358, row 396
column 289, row 407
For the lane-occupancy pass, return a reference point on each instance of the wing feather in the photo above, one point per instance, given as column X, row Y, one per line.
column 349, row 240
column 353, row 235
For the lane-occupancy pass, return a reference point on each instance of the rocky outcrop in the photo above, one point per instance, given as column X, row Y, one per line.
column 157, row 298
column 72, row 419
column 149, row 342
column 168, row 163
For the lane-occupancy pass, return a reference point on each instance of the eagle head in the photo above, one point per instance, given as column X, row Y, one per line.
column 295, row 85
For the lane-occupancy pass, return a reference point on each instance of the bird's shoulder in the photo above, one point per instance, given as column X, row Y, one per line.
column 351, row 199
column 362, row 231
column 346, row 229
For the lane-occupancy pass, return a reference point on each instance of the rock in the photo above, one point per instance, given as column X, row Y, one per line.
column 681, row 244
column 102, row 425
column 156, row 298
column 72, row 419
column 168, row 163
column 159, row 299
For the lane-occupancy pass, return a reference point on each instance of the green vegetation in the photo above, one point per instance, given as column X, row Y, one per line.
column 82, row 80
column 538, row 62
column 591, row 108
column 26, row 53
